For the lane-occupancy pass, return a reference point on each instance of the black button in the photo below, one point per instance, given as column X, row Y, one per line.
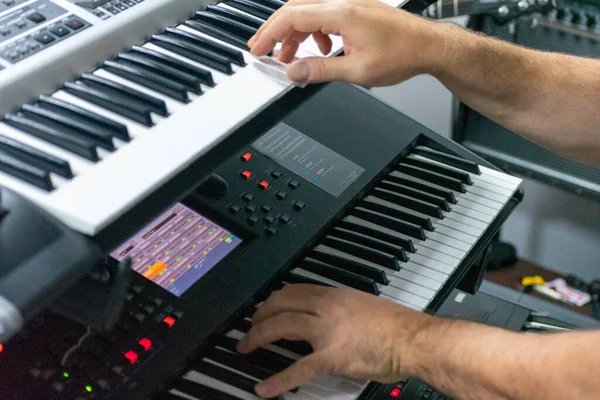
column 178, row 314
column 44, row 38
column 253, row 219
column 60, row 31
column 140, row 317
column 266, row 208
column 149, row 309
column 281, row 195
column 157, row 302
column 5, row 32
column 248, row 197
column 271, row 231
column 122, row 7
column 276, row 174
column 269, row 219
column 250, row 208
column 74, row 24
column 129, row 296
column 234, row 208
column 293, row 184
column 36, row 17
column 284, row 218
column 137, row 289
column 299, row 205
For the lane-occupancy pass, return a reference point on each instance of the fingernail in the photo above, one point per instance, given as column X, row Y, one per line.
column 266, row 390
column 299, row 71
column 251, row 41
column 241, row 346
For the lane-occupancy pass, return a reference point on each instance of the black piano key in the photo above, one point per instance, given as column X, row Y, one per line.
column 364, row 252
column 146, row 77
column 35, row 157
column 299, row 347
column 239, row 363
column 28, row 173
column 202, row 74
column 128, row 110
column 226, row 23
column 340, row 275
column 370, row 229
column 252, row 8
column 242, row 325
column 68, row 125
column 220, row 34
column 190, row 82
column 423, row 185
column 234, row 56
column 293, row 278
column 119, row 130
column 194, row 53
column 75, row 145
column 225, row 376
column 239, row 17
column 449, row 159
column 350, row 263
column 396, row 224
column 440, row 169
column 152, row 103
column 396, row 211
column 272, row 361
column 199, row 391
column 433, row 177
column 416, row 193
column 409, row 202
column 371, row 242
column 274, row 4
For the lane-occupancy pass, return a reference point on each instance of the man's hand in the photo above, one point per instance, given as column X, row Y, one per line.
column 382, row 45
column 352, row 333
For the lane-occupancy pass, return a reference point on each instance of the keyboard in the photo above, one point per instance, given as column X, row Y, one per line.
column 86, row 139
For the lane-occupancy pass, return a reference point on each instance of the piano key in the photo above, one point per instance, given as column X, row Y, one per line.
column 69, row 110
column 129, row 110
column 396, row 224
column 438, row 168
column 411, row 287
column 350, row 263
column 494, row 204
column 258, row 10
column 35, row 157
column 148, row 78
column 216, row 384
column 486, row 194
column 450, row 241
column 368, row 228
column 493, row 188
column 423, row 259
column 200, row 73
column 379, row 257
column 292, row 278
column 323, row 279
column 500, row 175
column 236, row 16
column 274, row 4
column 74, row 144
column 221, row 34
column 432, row 177
column 422, row 270
column 449, row 159
column 402, row 303
column 266, row 358
column 370, row 242
column 404, row 296
column 198, row 391
column 423, row 185
column 477, row 207
column 441, row 248
column 194, row 53
column 238, row 362
column 227, row 51
column 460, row 235
column 415, row 193
column 225, row 22
column 225, row 375
column 340, row 275
column 99, row 136
column 420, row 280
column 396, row 211
column 191, row 83
column 409, row 202
column 301, row 348
column 458, row 209
column 26, row 172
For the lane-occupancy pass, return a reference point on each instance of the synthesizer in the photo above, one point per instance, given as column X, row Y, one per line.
column 320, row 194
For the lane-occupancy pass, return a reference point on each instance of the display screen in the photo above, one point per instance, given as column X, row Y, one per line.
column 177, row 248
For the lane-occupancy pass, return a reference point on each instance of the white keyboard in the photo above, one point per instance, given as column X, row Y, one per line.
column 87, row 175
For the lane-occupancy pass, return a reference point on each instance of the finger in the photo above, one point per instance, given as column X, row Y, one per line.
column 290, row 299
column 324, row 42
column 300, row 372
column 290, row 46
column 323, row 69
column 287, row 325
column 302, row 18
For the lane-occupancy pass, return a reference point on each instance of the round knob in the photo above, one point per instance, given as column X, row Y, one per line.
column 592, row 20
column 576, row 18
column 503, row 11
column 560, row 13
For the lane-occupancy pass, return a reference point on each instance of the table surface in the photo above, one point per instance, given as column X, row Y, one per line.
column 511, row 277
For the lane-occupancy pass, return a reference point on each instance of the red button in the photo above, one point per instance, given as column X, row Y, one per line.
column 246, row 157
column 263, row 185
column 170, row 321
column 246, row 174
column 131, row 356
column 145, row 343
column 395, row 392
column 1, row 347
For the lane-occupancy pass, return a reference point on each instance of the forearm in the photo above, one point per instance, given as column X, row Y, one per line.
column 551, row 99
column 469, row 361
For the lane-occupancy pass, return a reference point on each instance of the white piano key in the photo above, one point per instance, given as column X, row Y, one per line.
column 477, row 207
column 198, row 377
column 496, row 205
column 501, row 175
column 465, row 220
column 421, row 280
column 453, row 233
column 442, row 252
column 411, row 287
column 319, row 278
column 491, row 180
column 492, row 188
column 486, row 194
column 423, row 257
column 449, row 240
column 404, row 296
column 425, row 271
column 300, row 395
column 183, row 395
column 402, row 303
column 458, row 226
column 458, row 209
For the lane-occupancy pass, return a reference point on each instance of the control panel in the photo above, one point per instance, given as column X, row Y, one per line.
column 577, row 15
column 29, row 29
column 8, row 4
column 105, row 9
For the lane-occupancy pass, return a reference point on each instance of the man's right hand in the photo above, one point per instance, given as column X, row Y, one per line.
column 382, row 45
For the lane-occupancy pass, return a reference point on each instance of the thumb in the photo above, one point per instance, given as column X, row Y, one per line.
column 320, row 69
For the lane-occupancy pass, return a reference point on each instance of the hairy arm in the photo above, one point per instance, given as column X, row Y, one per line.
column 469, row 361
column 551, row 99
